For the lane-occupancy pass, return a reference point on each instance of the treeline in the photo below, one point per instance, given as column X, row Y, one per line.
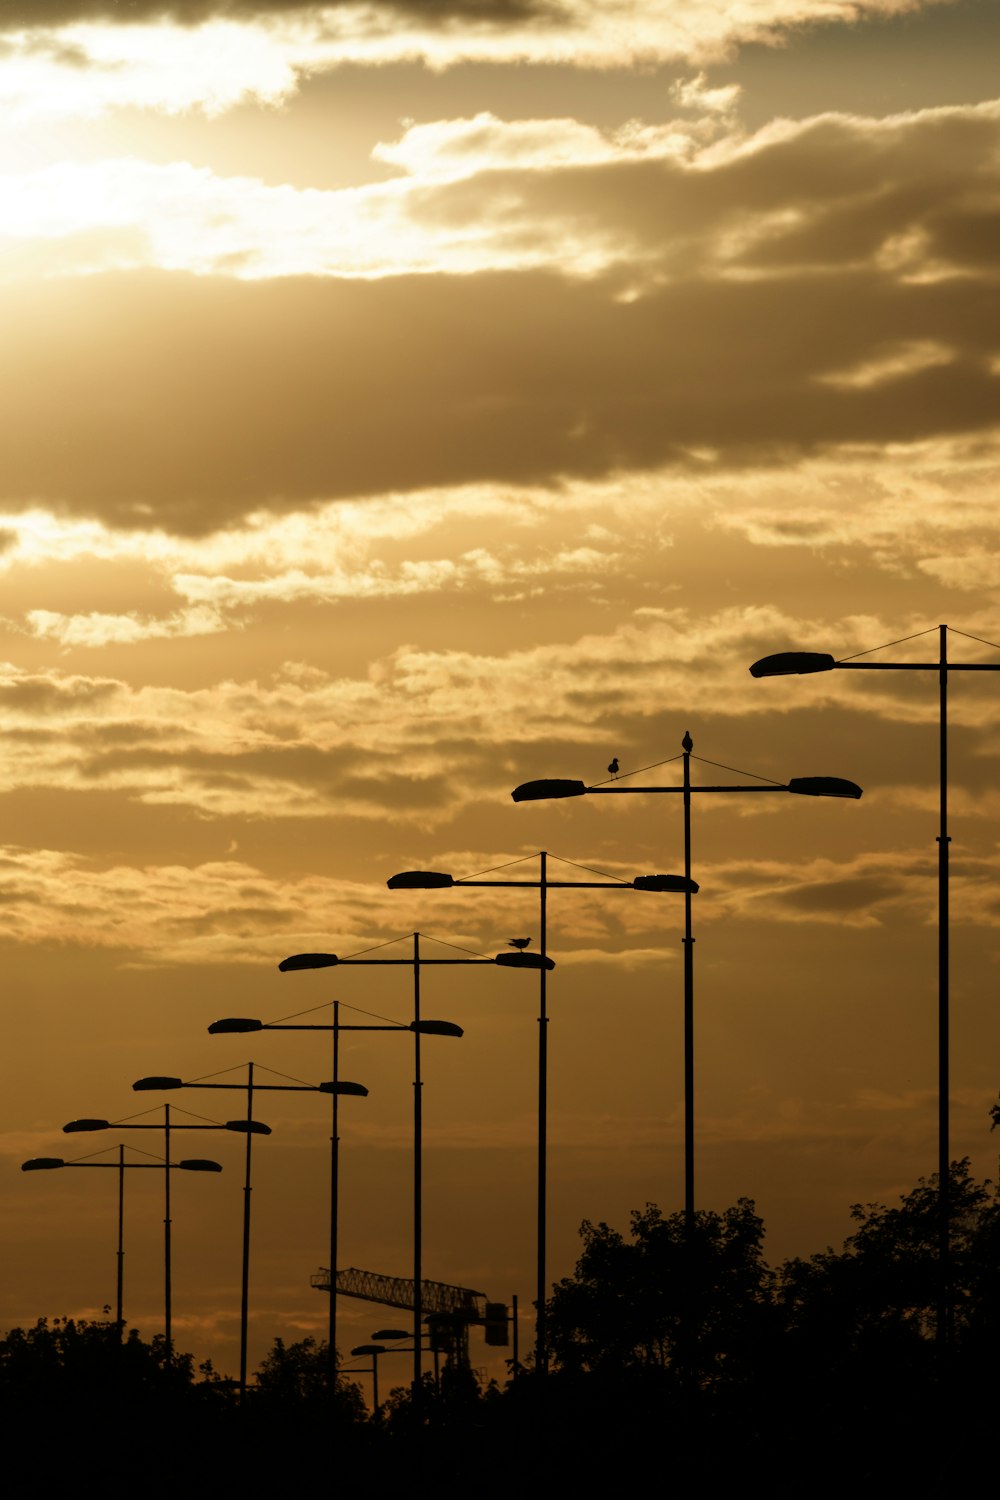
column 674, row 1349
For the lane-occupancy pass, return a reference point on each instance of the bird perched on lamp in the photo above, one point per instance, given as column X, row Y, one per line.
column 519, row 943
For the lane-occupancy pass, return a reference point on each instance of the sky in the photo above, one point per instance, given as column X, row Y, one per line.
column 402, row 402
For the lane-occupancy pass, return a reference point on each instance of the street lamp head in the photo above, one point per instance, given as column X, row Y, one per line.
column 678, row 884
column 75, row 1125
column 420, row 880
column 539, row 791
column 248, row 1127
column 524, row 961
column 234, row 1023
column 199, row 1164
column 366, row 1349
column 42, row 1164
column 144, row 1085
column 357, row 1090
column 392, row 1333
column 308, row 961
column 793, row 664
column 823, row 786
column 436, row 1028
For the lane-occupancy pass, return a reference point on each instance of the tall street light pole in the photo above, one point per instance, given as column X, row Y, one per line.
column 803, row 663
column 121, row 1166
column 233, row 1024
column 809, row 786
column 418, row 961
column 429, row 880
column 158, row 1082
column 238, row 1126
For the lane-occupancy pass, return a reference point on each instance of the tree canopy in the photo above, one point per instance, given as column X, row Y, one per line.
column 663, row 1295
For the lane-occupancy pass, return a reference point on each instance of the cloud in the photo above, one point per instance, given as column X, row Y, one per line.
column 82, row 58
column 455, row 149
column 232, row 913
column 675, row 201
column 905, row 513
column 425, row 734
column 895, row 888
column 20, row 13
column 228, row 912
column 245, row 402
column 95, row 629
column 906, row 358
column 910, row 510
column 760, row 257
column 82, row 71
column 694, row 93
column 587, row 32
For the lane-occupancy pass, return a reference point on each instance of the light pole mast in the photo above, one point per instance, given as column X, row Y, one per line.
column 541, row 1321
column 688, row 745
column 418, row 1155
column 944, row 1000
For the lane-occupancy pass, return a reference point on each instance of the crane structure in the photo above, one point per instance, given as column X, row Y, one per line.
column 448, row 1310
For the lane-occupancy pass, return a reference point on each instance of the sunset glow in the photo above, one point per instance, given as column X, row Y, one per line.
column 402, row 403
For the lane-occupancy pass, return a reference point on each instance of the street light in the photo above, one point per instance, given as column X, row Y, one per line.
column 418, row 1027
column 237, row 1024
column 432, row 880
column 803, row 786
column 804, row 663
column 144, row 1085
column 374, row 1350
column 121, row 1166
column 240, row 1126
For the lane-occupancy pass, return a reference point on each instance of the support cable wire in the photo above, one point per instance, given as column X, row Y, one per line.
column 932, row 630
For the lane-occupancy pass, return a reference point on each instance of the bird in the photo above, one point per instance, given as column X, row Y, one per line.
column 687, row 743
column 613, row 767
column 519, row 943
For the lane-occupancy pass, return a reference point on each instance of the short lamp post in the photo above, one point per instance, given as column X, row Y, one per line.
column 121, row 1166
column 240, row 1127
column 159, row 1082
column 805, row 663
column 418, row 1027
column 373, row 1351
column 808, row 786
column 435, row 880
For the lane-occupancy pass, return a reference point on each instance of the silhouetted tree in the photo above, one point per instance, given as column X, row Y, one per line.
column 298, row 1375
column 668, row 1297
column 77, row 1360
column 881, row 1291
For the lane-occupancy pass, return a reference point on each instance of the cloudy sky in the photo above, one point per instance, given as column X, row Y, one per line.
column 403, row 401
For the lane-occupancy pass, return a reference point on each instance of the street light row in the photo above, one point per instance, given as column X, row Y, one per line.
column 539, row 962
column 805, row 663
column 783, row 664
column 418, row 1027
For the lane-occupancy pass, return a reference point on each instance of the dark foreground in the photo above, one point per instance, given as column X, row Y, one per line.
column 678, row 1358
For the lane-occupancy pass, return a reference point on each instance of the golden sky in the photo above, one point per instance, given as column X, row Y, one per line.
column 403, row 401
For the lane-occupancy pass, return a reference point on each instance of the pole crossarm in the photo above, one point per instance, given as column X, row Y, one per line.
column 238, row 1127
column 190, row 1164
column 144, row 1085
column 802, row 786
